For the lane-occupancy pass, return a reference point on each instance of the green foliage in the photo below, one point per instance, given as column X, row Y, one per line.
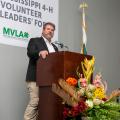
column 111, row 105
column 107, row 111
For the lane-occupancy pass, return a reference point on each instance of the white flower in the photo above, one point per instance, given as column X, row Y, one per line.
column 91, row 87
column 89, row 103
column 97, row 101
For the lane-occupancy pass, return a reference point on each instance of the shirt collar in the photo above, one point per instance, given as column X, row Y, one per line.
column 47, row 41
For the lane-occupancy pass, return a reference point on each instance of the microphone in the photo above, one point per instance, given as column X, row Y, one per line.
column 61, row 45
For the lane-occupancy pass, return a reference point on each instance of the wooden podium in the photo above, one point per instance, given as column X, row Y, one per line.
column 57, row 65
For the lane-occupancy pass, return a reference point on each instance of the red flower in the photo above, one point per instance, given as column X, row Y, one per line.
column 104, row 99
column 74, row 111
column 65, row 112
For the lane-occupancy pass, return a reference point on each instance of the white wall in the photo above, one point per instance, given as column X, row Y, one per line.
column 13, row 98
column 103, row 37
column 103, row 42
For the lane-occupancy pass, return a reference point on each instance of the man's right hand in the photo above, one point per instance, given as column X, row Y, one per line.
column 43, row 53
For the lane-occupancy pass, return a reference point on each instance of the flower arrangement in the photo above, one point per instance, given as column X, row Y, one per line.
column 85, row 98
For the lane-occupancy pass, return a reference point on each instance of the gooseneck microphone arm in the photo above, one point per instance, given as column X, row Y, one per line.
column 58, row 43
column 61, row 45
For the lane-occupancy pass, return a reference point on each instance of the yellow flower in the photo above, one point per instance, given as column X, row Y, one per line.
column 99, row 93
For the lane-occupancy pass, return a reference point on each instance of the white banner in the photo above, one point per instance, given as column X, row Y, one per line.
column 21, row 20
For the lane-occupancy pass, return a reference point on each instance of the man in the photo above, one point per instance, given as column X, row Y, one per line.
column 37, row 47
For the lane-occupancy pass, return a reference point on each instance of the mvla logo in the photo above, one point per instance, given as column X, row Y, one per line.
column 15, row 33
